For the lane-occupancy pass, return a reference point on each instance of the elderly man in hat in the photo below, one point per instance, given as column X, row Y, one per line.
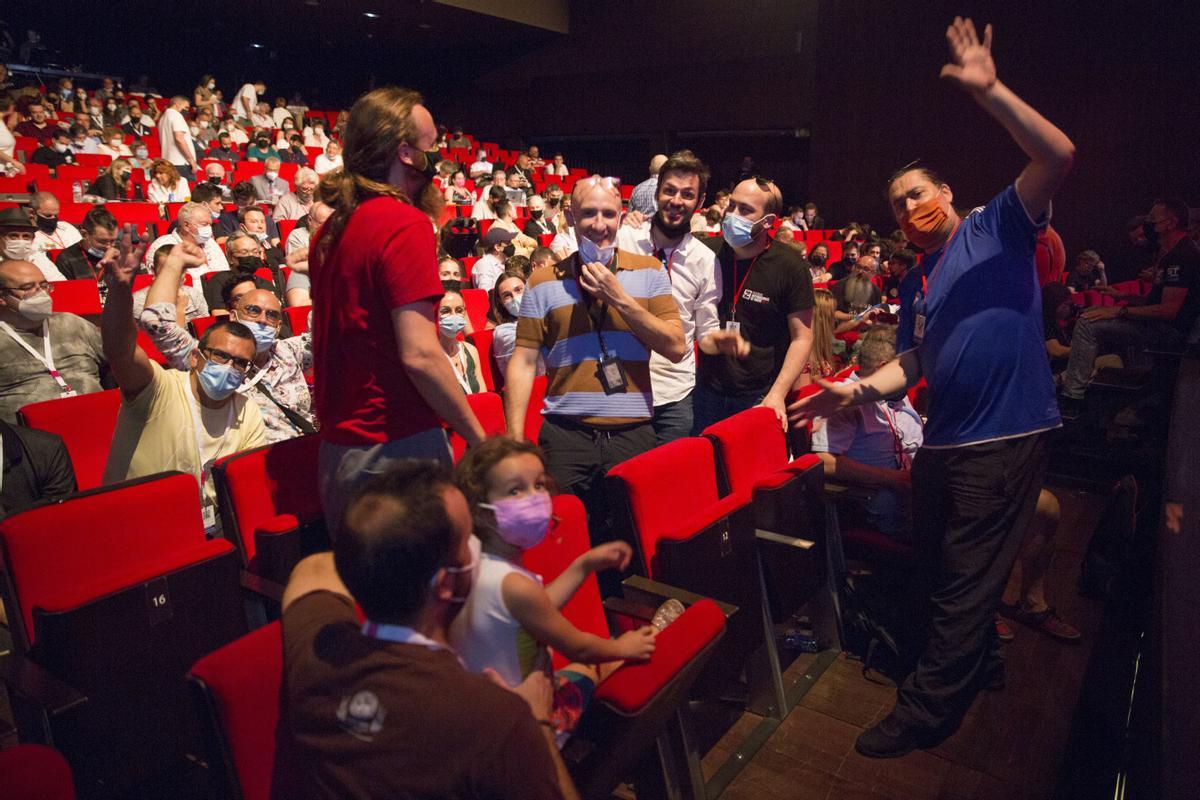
column 17, row 236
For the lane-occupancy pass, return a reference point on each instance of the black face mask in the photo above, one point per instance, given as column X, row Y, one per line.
column 537, row 214
column 250, row 263
column 1150, row 232
column 46, row 224
column 215, row 181
column 262, row 144
column 429, row 169
column 509, row 251
column 850, row 258
column 817, row 259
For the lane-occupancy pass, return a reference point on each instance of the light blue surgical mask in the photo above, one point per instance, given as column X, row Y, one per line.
column 592, row 253
column 452, row 325
column 264, row 335
column 738, row 231
column 218, row 381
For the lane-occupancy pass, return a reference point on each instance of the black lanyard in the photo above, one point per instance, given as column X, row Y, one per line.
column 592, row 305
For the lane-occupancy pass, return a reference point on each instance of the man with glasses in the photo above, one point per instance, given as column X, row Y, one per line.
column 195, row 226
column 766, row 300
column 172, row 419
column 276, row 380
column 44, row 354
column 81, row 260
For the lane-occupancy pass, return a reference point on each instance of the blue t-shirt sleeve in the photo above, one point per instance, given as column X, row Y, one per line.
column 1005, row 218
column 837, row 435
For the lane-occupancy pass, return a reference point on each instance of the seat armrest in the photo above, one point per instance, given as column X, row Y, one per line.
column 642, row 592
column 33, row 683
column 771, row 537
column 849, row 492
column 262, row 586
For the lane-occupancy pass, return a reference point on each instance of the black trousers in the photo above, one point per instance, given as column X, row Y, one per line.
column 578, row 457
column 971, row 507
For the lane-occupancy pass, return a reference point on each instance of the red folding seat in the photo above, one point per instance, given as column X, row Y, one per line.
column 245, row 170
column 298, row 317
column 76, row 172
column 797, row 531
column 150, row 348
column 18, row 184
column 36, row 772
column 484, row 226
column 85, row 423
column 270, row 505
column 482, row 339
column 477, row 304
column 237, row 689
column 468, row 263
column 286, row 226
column 36, row 172
column 201, row 324
column 26, row 145
column 139, row 214
column 533, row 411
column 545, row 239
column 111, row 595
column 80, row 297
column 489, row 410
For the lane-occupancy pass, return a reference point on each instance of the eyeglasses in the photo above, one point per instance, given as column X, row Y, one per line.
column 259, row 311
column 223, row 358
column 27, row 288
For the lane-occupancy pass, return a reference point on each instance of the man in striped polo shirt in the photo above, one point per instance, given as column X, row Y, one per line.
column 594, row 317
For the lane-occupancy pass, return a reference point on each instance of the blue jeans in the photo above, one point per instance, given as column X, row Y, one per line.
column 673, row 421
column 1095, row 337
column 710, row 406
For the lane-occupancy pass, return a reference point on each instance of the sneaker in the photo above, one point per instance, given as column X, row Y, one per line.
column 891, row 738
column 667, row 613
column 1004, row 632
column 1048, row 622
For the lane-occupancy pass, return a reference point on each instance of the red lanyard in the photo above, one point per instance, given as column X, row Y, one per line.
column 938, row 263
column 738, row 295
column 666, row 258
column 897, row 441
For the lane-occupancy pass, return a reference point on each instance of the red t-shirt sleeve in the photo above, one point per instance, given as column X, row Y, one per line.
column 407, row 267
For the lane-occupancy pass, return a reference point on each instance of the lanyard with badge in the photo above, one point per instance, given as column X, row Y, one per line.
column 903, row 460
column 609, row 369
column 919, row 304
column 732, row 324
column 44, row 357
column 207, row 510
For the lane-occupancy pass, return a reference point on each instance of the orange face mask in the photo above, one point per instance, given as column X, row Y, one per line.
column 925, row 224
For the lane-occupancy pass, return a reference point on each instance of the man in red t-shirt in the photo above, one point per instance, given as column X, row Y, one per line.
column 383, row 384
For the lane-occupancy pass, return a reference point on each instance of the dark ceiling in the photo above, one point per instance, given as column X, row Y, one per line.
column 328, row 49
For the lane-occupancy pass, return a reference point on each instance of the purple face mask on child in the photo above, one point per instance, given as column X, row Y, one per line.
column 522, row 521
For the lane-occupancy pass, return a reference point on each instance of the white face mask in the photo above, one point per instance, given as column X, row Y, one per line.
column 590, row 252
column 211, row 85
column 271, row 175
column 204, row 234
column 513, row 305
column 60, row 147
column 36, row 308
column 195, row 130
column 18, row 249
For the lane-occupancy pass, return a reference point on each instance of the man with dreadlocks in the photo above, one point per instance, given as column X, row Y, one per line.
column 383, row 384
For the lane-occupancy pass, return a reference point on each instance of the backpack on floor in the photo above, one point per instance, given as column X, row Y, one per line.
column 883, row 620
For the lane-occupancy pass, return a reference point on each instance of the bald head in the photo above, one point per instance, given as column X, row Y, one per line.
column 318, row 213
column 656, row 164
column 586, row 187
column 15, row 272
column 770, row 198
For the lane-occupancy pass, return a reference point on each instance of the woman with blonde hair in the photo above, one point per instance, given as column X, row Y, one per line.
column 384, row 385
column 166, row 185
column 113, row 183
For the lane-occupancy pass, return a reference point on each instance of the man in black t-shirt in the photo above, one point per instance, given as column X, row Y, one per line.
column 55, row 152
column 385, row 708
column 765, row 312
column 840, row 270
column 1165, row 316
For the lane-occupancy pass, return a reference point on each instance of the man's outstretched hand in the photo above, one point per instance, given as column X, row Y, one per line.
column 122, row 262
column 971, row 64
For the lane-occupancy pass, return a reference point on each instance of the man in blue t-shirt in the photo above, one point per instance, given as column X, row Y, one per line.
column 976, row 336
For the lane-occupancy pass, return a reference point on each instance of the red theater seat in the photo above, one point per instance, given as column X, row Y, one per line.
column 482, row 339
column 298, row 318
column 533, row 412
column 477, row 304
column 271, row 506
column 36, row 772
column 111, row 607
column 489, row 410
column 85, row 423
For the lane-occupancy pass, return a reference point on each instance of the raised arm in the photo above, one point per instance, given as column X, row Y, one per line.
column 894, row 376
column 130, row 366
column 1050, row 151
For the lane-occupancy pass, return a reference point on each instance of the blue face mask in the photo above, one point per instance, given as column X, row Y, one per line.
column 738, row 231
column 264, row 335
column 452, row 325
column 219, row 380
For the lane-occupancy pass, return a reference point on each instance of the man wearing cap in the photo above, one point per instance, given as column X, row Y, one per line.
column 497, row 246
column 44, row 354
column 17, row 241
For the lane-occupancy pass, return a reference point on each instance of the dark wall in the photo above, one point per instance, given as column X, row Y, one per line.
column 1119, row 79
